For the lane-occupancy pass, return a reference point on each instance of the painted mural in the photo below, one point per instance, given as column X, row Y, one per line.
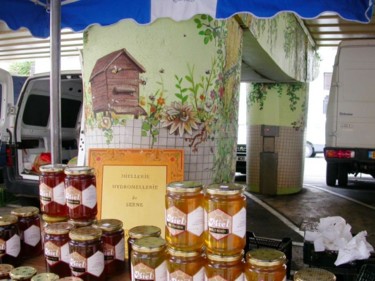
column 166, row 85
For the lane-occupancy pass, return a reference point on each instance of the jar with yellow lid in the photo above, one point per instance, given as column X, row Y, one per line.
column 113, row 245
column 265, row 264
column 314, row 274
column 24, row 273
column 56, row 248
column 5, row 269
column 184, row 216
column 10, row 241
column 52, row 190
column 225, row 207
column 29, row 226
column 45, row 277
column 86, row 253
column 148, row 259
column 80, row 192
column 81, row 223
column 48, row 220
column 185, row 265
column 224, row 267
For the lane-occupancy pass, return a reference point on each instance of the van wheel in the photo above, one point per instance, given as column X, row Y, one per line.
column 343, row 176
column 331, row 174
column 309, row 150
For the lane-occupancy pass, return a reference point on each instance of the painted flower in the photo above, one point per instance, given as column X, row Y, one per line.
column 202, row 97
column 180, row 119
column 161, row 101
column 106, row 122
column 142, row 101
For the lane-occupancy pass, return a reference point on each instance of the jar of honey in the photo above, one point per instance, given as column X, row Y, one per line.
column 265, row 264
column 10, row 241
column 45, row 277
column 81, row 223
column 184, row 217
column 225, row 207
column 86, row 253
column 5, row 269
column 29, row 226
column 314, row 274
column 80, row 193
column 70, row 278
column 225, row 267
column 148, row 259
column 24, row 273
column 56, row 248
column 52, row 190
column 113, row 245
column 48, row 220
column 185, row 265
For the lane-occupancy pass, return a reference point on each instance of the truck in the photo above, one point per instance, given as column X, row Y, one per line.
column 25, row 127
column 350, row 120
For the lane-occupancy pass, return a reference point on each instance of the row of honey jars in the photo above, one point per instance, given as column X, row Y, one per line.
column 215, row 218
column 68, row 191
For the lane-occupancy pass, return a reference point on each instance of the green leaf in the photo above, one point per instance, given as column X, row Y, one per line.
column 188, row 78
column 196, row 20
column 201, row 32
column 179, row 96
column 204, row 17
column 184, row 99
column 183, row 90
column 208, row 31
column 206, row 40
column 144, row 134
column 146, row 126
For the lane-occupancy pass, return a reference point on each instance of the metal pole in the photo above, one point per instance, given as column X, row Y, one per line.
column 55, row 81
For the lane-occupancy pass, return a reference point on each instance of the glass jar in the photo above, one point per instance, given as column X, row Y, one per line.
column 113, row 245
column 29, row 226
column 148, row 259
column 45, row 277
column 310, row 274
column 52, row 190
column 10, row 241
column 225, row 207
column 184, row 216
column 56, row 248
column 86, row 253
column 225, row 267
column 70, row 278
column 185, row 265
column 80, row 193
column 48, row 220
column 24, row 273
column 265, row 264
column 5, row 269
column 81, row 223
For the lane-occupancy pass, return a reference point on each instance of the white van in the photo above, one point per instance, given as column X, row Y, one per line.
column 350, row 122
column 25, row 127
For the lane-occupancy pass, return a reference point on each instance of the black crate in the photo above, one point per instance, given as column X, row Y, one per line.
column 366, row 273
column 284, row 245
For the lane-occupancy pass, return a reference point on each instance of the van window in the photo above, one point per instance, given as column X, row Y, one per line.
column 69, row 112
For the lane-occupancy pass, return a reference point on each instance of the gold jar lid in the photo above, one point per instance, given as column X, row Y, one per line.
column 52, row 168
column 184, row 186
column 5, row 269
column 108, row 225
column 225, row 189
column 25, row 211
column 70, row 278
column 79, row 170
column 45, row 277
column 316, row 274
column 22, row 273
column 81, row 223
column 265, row 257
column 8, row 220
column 224, row 258
column 86, row 233
column 58, row 228
column 149, row 244
column 53, row 219
column 184, row 254
column 144, row 231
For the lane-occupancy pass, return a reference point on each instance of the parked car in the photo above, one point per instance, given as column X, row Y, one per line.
column 311, row 149
column 241, row 159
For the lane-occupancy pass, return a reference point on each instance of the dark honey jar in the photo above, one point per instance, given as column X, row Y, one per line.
column 225, row 267
column 80, row 193
column 185, row 265
column 265, row 264
column 86, row 254
column 314, row 274
column 30, row 232
column 52, row 190
column 56, row 248
column 24, row 273
column 48, row 220
column 184, row 217
column 5, row 269
column 45, row 276
column 10, row 241
column 113, row 245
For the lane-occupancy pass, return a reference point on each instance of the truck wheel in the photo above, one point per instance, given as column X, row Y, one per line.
column 331, row 174
column 343, row 176
column 309, row 150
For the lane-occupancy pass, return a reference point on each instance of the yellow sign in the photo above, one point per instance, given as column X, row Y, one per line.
column 131, row 183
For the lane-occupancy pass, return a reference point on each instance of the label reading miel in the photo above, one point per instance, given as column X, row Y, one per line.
column 73, row 197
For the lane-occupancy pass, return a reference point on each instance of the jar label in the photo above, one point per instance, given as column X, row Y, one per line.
column 89, row 197
column 52, row 194
column 179, row 275
column 13, row 246
column 175, row 220
column 59, row 194
column 31, row 236
column 109, row 252
column 161, row 272
column 239, row 223
column 64, row 253
column 54, row 253
column 145, row 273
column 95, row 264
column 77, row 264
column 73, row 197
column 221, row 224
column 120, row 250
column 195, row 221
column 45, row 194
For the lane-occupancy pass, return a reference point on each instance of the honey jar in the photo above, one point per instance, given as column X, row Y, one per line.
column 314, row 274
column 184, row 217
column 52, row 190
column 81, row 223
column 148, row 259
column 70, row 278
column 86, row 253
column 10, row 241
column 29, row 226
column 225, row 219
column 5, row 269
column 48, row 220
column 80, row 193
column 56, row 248
column 265, row 264
column 185, row 265
column 224, row 267
column 45, row 277
column 24, row 273
column 113, row 245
